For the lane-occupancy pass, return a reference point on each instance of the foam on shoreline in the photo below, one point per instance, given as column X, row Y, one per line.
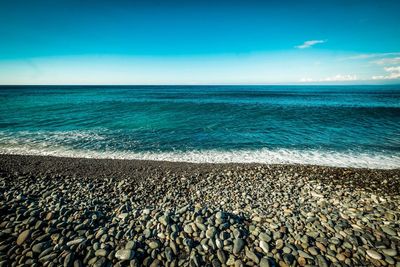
column 263, row 156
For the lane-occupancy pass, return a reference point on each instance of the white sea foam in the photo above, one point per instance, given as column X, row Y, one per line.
column 266, row 156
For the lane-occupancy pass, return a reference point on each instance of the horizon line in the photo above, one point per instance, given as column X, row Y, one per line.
column 233, row 84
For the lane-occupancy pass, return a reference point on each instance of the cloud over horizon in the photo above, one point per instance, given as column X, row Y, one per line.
column 387, row 61
column 310, row 43
column 335, row 78
column 392, row 74
column 371, row 55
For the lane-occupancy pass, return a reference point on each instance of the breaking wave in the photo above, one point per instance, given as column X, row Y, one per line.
column 264, row 156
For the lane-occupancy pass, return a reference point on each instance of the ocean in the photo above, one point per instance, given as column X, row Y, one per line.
column 351, row 126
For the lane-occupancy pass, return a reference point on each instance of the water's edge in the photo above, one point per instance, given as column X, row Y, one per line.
column 263, row 156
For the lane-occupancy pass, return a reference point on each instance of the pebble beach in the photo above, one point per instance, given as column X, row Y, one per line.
column 99, row 212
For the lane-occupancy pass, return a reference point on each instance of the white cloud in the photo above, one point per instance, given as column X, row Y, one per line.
column 371, row 55
column 393, row 69
column 387, row 61
column 306, row 80
column 336, row 78
column 340, row 77
column 392, row 74
column 308, row 44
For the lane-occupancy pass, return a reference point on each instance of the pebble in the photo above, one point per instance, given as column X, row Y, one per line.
column 388, row 230
column 169, row 254
column 264, row 246
column 75, row 242
column 221, row 256
column 313, row 251
column 389, row 251
column 304, row 255
column 188, row 229
column 124, row 254
column 22, row 237
column 265, row 237
column 279, row 244
column 238, row 245
column 251, row 255
column 321, row 261
column 210, row 233
column 258, row 216
column 154, row 245
column 374, row 254
column 101, row 253
column 40, row 247
column 264, row 262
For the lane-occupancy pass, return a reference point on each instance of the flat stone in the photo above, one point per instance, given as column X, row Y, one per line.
column 75, row 241
column 313, row 251
column 101, row 253
column 390, row 260
column 304, row 255
column 256, row 219
column 389, row 251
column 154, row 244
column 23, row 237
column 341, row 257
column 155, row 263
column 238, row 245
column 279, row 244
column 251, row 255
column 264, row 246
column 321, row 261
column 388, row 230
column 169, row 254
column 164, row 220
column 210, row 233
column 320, row 246
column 264, row 262
column 100, row 262
column 188, row 229
column 69, row 260
column 183, row 209
column 48, row 258
column 374, row 254
column 125, row 254
column 264, row 237
column 130, row 245
column 239, row 263
column 221, row 256
column 302, row 261
column 201, row 226
column 288, row 258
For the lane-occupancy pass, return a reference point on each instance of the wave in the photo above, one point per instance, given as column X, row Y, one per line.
column 265, row 156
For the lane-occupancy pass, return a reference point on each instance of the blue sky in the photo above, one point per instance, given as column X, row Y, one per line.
column 199, row 42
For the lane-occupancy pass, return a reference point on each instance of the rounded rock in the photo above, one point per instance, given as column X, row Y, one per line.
column 23, row 237
column 374, row 254
column 279, row 244
column 238, row 245
column 264, row 246
column 125, row 254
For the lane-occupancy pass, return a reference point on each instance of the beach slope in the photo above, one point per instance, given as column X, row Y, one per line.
column 99, row 212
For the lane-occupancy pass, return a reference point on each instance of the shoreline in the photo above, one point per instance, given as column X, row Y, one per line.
column 359, row 160
column 363, row 177
column 103, row 212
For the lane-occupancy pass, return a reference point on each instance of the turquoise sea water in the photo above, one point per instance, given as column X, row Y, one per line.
column 329, row 125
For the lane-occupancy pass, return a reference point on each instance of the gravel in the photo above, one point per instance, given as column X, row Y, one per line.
column 88, row 212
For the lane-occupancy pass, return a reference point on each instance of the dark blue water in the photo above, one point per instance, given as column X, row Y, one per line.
column 329, row 125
